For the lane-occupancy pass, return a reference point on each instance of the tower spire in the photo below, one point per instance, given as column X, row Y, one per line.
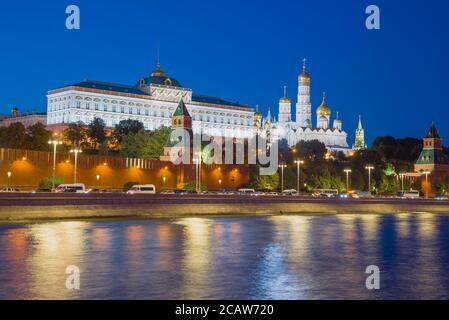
column 285, row 91
column 304, row 65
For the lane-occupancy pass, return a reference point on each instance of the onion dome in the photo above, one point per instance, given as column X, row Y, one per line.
column 285, row 99
column 304, row 76
column 158, row 77
column 323, row 109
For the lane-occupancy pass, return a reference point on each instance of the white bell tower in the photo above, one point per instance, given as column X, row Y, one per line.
column 304, row 105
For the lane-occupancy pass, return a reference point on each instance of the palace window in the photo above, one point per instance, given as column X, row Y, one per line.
column 78, row 104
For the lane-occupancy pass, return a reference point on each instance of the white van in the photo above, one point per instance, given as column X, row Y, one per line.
column 144, row 189
column 249, row 192
column 326, row 193
column 71, row 188
column 411, row 194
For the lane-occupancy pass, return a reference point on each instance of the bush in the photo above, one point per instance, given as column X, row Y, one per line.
column 129, row 185
column 191, row 186
column 47, row 183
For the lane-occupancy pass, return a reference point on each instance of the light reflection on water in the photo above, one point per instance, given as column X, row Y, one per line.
column 280, row 257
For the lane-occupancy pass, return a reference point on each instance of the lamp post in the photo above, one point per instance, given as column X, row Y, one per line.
column 348, row 171
column 427, row 181
column 9, row 174
column 282, row 166
column 402, row 175
column 98, row 181
column 55, row 142
column 197, row 160
column 163, row 182
column 369, row 168
column 298, row 163
column 75, row 152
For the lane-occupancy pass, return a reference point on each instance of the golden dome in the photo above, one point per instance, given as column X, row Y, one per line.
column 323, row 109
column 304, row 76
column 285, row 99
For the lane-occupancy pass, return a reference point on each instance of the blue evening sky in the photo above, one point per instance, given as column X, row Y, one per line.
column 245, row 51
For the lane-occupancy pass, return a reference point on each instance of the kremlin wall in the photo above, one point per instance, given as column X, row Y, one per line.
column 29, row 167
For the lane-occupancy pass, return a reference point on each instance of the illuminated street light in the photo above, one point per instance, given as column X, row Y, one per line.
column 298, row 163
column 55, row 142
column 348, row 171
column 402, row 175
column 98, row 180
column 427, row 187
column 163, row 182
column 369, row 168
column 9, row 174
column 197, row 159
column 219, row 181
column 75, row 152
column 282, row 166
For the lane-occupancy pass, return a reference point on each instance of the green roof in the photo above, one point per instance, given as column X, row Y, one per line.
column 181, row 110
column 432, row 156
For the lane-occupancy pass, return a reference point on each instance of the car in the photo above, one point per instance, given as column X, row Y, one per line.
column 344, row 196
column 441, row 197
column 290, row 192
column 142, row 189
column 247, row 192
column 167, row 192
column 95, row 190
column 410, row 194
column 9, row 190
column 71, row 188
column 41, row 190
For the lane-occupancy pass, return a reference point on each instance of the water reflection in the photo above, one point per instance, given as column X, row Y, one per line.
column 281, row 257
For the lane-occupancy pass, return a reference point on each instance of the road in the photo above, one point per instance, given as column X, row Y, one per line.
column 61, row 199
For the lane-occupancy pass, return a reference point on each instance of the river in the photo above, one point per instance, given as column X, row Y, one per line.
column 279, row 257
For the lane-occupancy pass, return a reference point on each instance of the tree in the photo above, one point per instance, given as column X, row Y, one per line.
column 47, row 183
column 311, row 150
column 126, row 127
column 145, row 145
column 75, row 134
column 38, row 137
column 14, row 136
column 96, row 132
column 357, row 181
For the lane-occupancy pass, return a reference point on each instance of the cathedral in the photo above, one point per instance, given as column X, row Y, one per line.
column 302, row 129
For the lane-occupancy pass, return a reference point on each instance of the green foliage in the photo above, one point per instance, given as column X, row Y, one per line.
column 47, row 183
column 38, row 137
column 442, row 186
column 191, row 186
column 96, row 132
column 126, row 127
column 75, row 134
column 16, row 136
column 145, row 145
column 311, row 150
column 260, row 182
column 388, row 185
column 357, row 181
column 128, row 185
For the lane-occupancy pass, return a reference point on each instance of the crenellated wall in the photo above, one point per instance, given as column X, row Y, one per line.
column 29, row 167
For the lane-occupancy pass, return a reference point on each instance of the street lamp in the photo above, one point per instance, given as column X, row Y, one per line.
column 348, row 171
column 402, row 175
column 220, row 181
column 55, row 142
column 369, row 168
column 298, row 162
column 75, row 151
column 9, row 174
column 427, row 186
column 163, row 182
column 197, row 161
column 282, row 166
column 98, row 180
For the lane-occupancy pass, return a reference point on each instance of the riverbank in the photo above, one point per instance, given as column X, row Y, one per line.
column 26, row 207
